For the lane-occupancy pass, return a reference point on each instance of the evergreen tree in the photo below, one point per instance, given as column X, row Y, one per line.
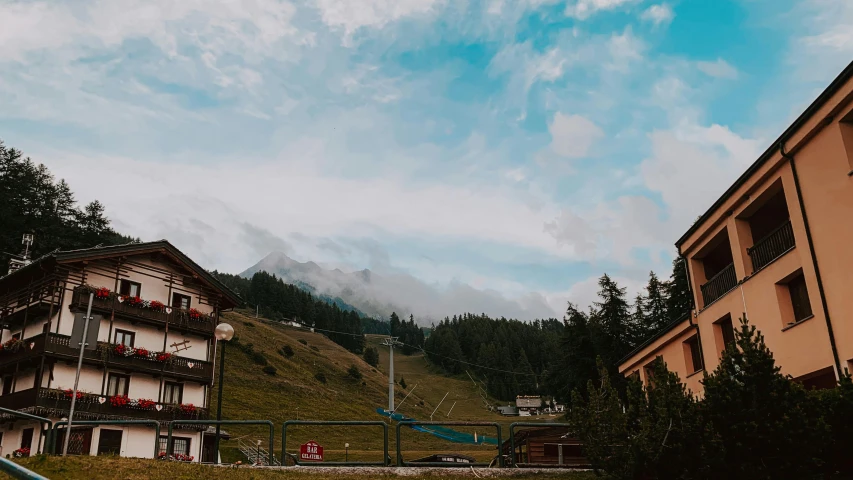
column 609, row 323
column 657, row 315
column 679, row 300
column 371, row 356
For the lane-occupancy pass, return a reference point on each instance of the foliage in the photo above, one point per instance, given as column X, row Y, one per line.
column 354, row 373
column 371, row 356
column 280, row 301
column 286, row 351
column 269, row 370
column 403, row 384
column 249, row 349
column 320, row 377
column 303, row 341
column 32, row 200
column 408, row 333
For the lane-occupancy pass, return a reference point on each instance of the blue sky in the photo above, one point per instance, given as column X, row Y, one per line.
column 522, row 147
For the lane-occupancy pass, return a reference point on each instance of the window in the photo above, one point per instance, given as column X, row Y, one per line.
column 17, row 335
column 131, row 289
column 8, row 380
column 27, row 438
column 117, row 384
column 173, row 392
column 180, row 301
column 124, row 337
column 726, row 332
column 179, row 445
column 800, row 298
column 109, row 442
column 694, row 355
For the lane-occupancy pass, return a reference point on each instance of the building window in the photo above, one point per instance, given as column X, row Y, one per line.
column 173, row 392
column 726, row 331
column 8, row 380
column 694, row 355
column 180, row 301
column 117, row 384
column 124, row 337
column 16, row 336
column 847, row 138
column 800, row 298
column 179, row 445
column 130, row 289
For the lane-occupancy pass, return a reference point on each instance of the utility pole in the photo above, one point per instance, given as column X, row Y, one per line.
column 391, row 342
column 83, row 345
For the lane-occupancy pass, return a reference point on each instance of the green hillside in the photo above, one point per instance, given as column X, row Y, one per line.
column 295, row 391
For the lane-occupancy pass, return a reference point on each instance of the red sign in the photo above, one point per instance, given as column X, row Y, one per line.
column 311, row 452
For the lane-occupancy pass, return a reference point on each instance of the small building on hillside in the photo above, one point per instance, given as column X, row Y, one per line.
column 546, row 446
column 508, row 411
column 528, row 404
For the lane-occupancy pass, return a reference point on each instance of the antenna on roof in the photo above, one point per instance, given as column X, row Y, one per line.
column 17, row 262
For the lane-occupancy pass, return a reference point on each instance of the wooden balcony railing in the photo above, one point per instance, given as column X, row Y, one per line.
column 59, row 345
column 772, row 246
column 177, row 319
column 719, row 284
column 97, row 406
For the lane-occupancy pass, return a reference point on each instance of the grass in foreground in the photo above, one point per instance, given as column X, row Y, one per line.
column 104, row 468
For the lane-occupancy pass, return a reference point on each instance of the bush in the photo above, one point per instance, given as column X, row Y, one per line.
column 321, row 377
column 286, row 351
column 249, row 324
column 403, row 383
column 269, row 370
column 354, row 373
column 303, row 341
column 371, row 356
column 312, row 347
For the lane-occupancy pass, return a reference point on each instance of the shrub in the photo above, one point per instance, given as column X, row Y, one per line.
column 249, row 324
column 354, row 373
column 403, row 383
column 371, row 356
column 286, row 351
column 303, row 341
column 321, row 377
column 312, row 347
column 269, row 370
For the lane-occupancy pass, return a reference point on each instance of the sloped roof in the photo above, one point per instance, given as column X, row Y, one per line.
column 161, row 246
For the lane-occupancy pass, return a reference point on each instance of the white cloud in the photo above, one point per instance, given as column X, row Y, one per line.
column 527, row 67
column 658, row 14
column 572, row 136
column 825, row 44
column 351, row 15
column 583, row 9
column 718, row 69
column 624, row 48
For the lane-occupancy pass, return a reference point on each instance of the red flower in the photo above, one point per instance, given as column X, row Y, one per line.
column 156, row 306
column 195, row 314
column 163, row 356
column 70, row 393
column 119, row 401
column 187, row 408
column 102, row 292
column 183, row 458
column 121, row 349
column 134, row 301
column 21, row 452
column 145, row 403
column 141, row 352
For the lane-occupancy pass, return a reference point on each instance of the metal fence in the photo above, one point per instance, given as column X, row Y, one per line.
column 268, row 423
column 386, row 459
column 411, row 423
column 513, row 463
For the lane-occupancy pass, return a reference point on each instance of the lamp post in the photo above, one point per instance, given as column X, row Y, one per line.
column 258, row 459
column 346, row 447
column 224, row 332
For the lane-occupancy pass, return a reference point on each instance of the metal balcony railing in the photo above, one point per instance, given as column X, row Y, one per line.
column 719, row 284
column 772, row 246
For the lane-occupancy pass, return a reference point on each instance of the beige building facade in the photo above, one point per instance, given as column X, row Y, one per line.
column 776, row 249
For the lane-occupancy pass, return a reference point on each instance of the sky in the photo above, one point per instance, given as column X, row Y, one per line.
column 516, row 148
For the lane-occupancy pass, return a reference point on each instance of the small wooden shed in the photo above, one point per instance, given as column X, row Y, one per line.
column 546, row 446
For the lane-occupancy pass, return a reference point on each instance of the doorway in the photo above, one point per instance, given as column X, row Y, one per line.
column 109, row 442
column 80, row 442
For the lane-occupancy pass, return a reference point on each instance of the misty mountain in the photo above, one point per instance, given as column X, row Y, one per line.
column 375, row 295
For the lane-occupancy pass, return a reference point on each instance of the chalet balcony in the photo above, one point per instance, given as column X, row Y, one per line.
column 719, row 284
column 53, row 402
column 176, row 319
column 772, row 246
column 58, row 346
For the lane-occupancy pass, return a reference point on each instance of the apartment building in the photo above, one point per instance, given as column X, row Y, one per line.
column 155, row 310
column 776, row 248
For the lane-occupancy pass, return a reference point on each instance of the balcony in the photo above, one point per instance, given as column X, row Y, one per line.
column 719, row 284
column 175, row 318
column 772, row 246
column 59, row 346
column 52, row 402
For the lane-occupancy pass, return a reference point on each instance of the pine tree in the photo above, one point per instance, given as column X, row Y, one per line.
column 371, row 356
column 656, row 304
column 609, row 323
column 679, row 300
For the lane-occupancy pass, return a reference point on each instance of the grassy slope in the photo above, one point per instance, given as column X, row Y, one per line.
column 109, row 468
column 251, row 394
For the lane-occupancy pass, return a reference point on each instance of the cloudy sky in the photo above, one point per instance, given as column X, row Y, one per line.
column 518, row 147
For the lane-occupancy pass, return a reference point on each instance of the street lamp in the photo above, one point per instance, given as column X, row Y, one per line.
column 224, row 332
column 346, row 446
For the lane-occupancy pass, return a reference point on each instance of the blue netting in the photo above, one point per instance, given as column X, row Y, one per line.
column 442, row 432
